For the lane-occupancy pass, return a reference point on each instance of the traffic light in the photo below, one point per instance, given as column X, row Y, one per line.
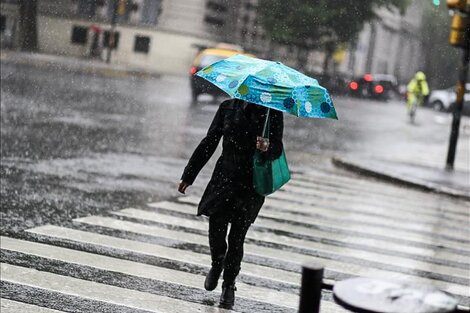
column 121, row 7
column 460, row 5
column 459, row 33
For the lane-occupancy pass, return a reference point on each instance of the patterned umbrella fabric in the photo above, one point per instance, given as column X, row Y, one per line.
column 270, row 84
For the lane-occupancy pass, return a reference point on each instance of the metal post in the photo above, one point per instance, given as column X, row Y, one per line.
column 111, row 32
column 310, row 291
column 454, row 134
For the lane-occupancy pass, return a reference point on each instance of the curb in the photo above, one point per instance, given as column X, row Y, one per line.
column 81, row 67
column 405, row 182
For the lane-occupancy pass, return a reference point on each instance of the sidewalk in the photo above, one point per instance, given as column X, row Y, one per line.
column 454, row 183
column 80, row 65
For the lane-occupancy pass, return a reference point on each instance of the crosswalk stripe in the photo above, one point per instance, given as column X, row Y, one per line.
column 100, row 292
column 363, row 216
column 373, row 188
column 371, row 200
column 286, row 256
column 364, row 210
column 159, row 251
column 377, row 191
column 261, row 294
column 9, row 306
column 386, row 208
column 370, row 242
column 452, row 241
column 369, row 231
column 405, row 199
column 303, row 244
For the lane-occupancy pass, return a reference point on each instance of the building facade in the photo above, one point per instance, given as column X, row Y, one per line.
column 389, row 45
column 163, row 35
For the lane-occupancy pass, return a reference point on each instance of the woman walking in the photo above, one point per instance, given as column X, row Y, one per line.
column 229, row 197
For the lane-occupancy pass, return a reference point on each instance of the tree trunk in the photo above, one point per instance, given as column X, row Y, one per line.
column 327, row 61
column 28, row 25
column 302, row 58
column 329, row 48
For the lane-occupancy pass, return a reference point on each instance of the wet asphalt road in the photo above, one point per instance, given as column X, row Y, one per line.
column 76, row 144
column 78, row 150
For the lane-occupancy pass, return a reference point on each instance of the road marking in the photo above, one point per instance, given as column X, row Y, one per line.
column 413, row 219
column 9, row 306
column 379, row 209
column 159, row 251
column 143, row 270
column 311, row 231
column 286, row 256
column 299, row 243
column 376, row 189
column 99, row 292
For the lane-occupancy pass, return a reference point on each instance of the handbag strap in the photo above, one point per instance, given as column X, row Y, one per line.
column 266, row 125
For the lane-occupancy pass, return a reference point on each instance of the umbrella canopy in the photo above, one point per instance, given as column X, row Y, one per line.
column 270, row 84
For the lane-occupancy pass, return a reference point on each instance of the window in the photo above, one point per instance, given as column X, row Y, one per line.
column 87, row 8
column 3, row 23
column 79, row 35
column 106, row 39
column 216, row 6
column 215, row 21
column 142, row 44
column 151, row 10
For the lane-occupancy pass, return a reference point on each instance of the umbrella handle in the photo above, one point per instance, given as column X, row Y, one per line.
column 266, row 124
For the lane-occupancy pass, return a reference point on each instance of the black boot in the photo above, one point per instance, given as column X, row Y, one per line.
column 212, row 277
column 227, row 298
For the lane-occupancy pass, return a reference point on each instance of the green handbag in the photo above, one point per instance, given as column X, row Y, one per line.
column 269, row 175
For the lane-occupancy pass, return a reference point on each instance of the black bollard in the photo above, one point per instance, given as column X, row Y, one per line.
column 310, row 291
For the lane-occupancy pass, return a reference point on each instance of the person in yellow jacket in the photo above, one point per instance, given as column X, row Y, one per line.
column 417, row 89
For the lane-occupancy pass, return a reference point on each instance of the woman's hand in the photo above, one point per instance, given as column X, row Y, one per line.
column 182, row 187
column 262, row 144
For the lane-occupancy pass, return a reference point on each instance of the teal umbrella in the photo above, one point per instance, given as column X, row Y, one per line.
column 270, row 84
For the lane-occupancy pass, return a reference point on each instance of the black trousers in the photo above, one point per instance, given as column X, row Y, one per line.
column 230, row 255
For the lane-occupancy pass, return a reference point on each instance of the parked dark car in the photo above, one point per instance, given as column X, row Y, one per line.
column 374, row 86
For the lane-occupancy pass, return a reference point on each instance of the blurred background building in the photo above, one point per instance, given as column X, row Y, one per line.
column 389, row 45
column 165, row 35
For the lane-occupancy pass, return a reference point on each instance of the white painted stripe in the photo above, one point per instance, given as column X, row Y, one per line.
column 407, row 222
column 406, row 198
column 370, row 236
column 393, row 211
column 368, row 230
column 143, row 270
column 422, row 206
column 100, row 292
column 9, row 306
column 286, row 256
column 370, row 242
column 378, row 192
column 159, row 251
column 357, row 213
column 299, row 243
column 375, row 187
column 314, row 197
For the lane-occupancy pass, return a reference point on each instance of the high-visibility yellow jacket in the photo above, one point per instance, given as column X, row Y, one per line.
column 418, row 87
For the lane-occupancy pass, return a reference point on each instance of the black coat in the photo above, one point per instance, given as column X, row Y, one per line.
column 231, row 186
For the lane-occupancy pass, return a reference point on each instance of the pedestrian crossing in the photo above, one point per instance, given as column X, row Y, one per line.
column 154, row 258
